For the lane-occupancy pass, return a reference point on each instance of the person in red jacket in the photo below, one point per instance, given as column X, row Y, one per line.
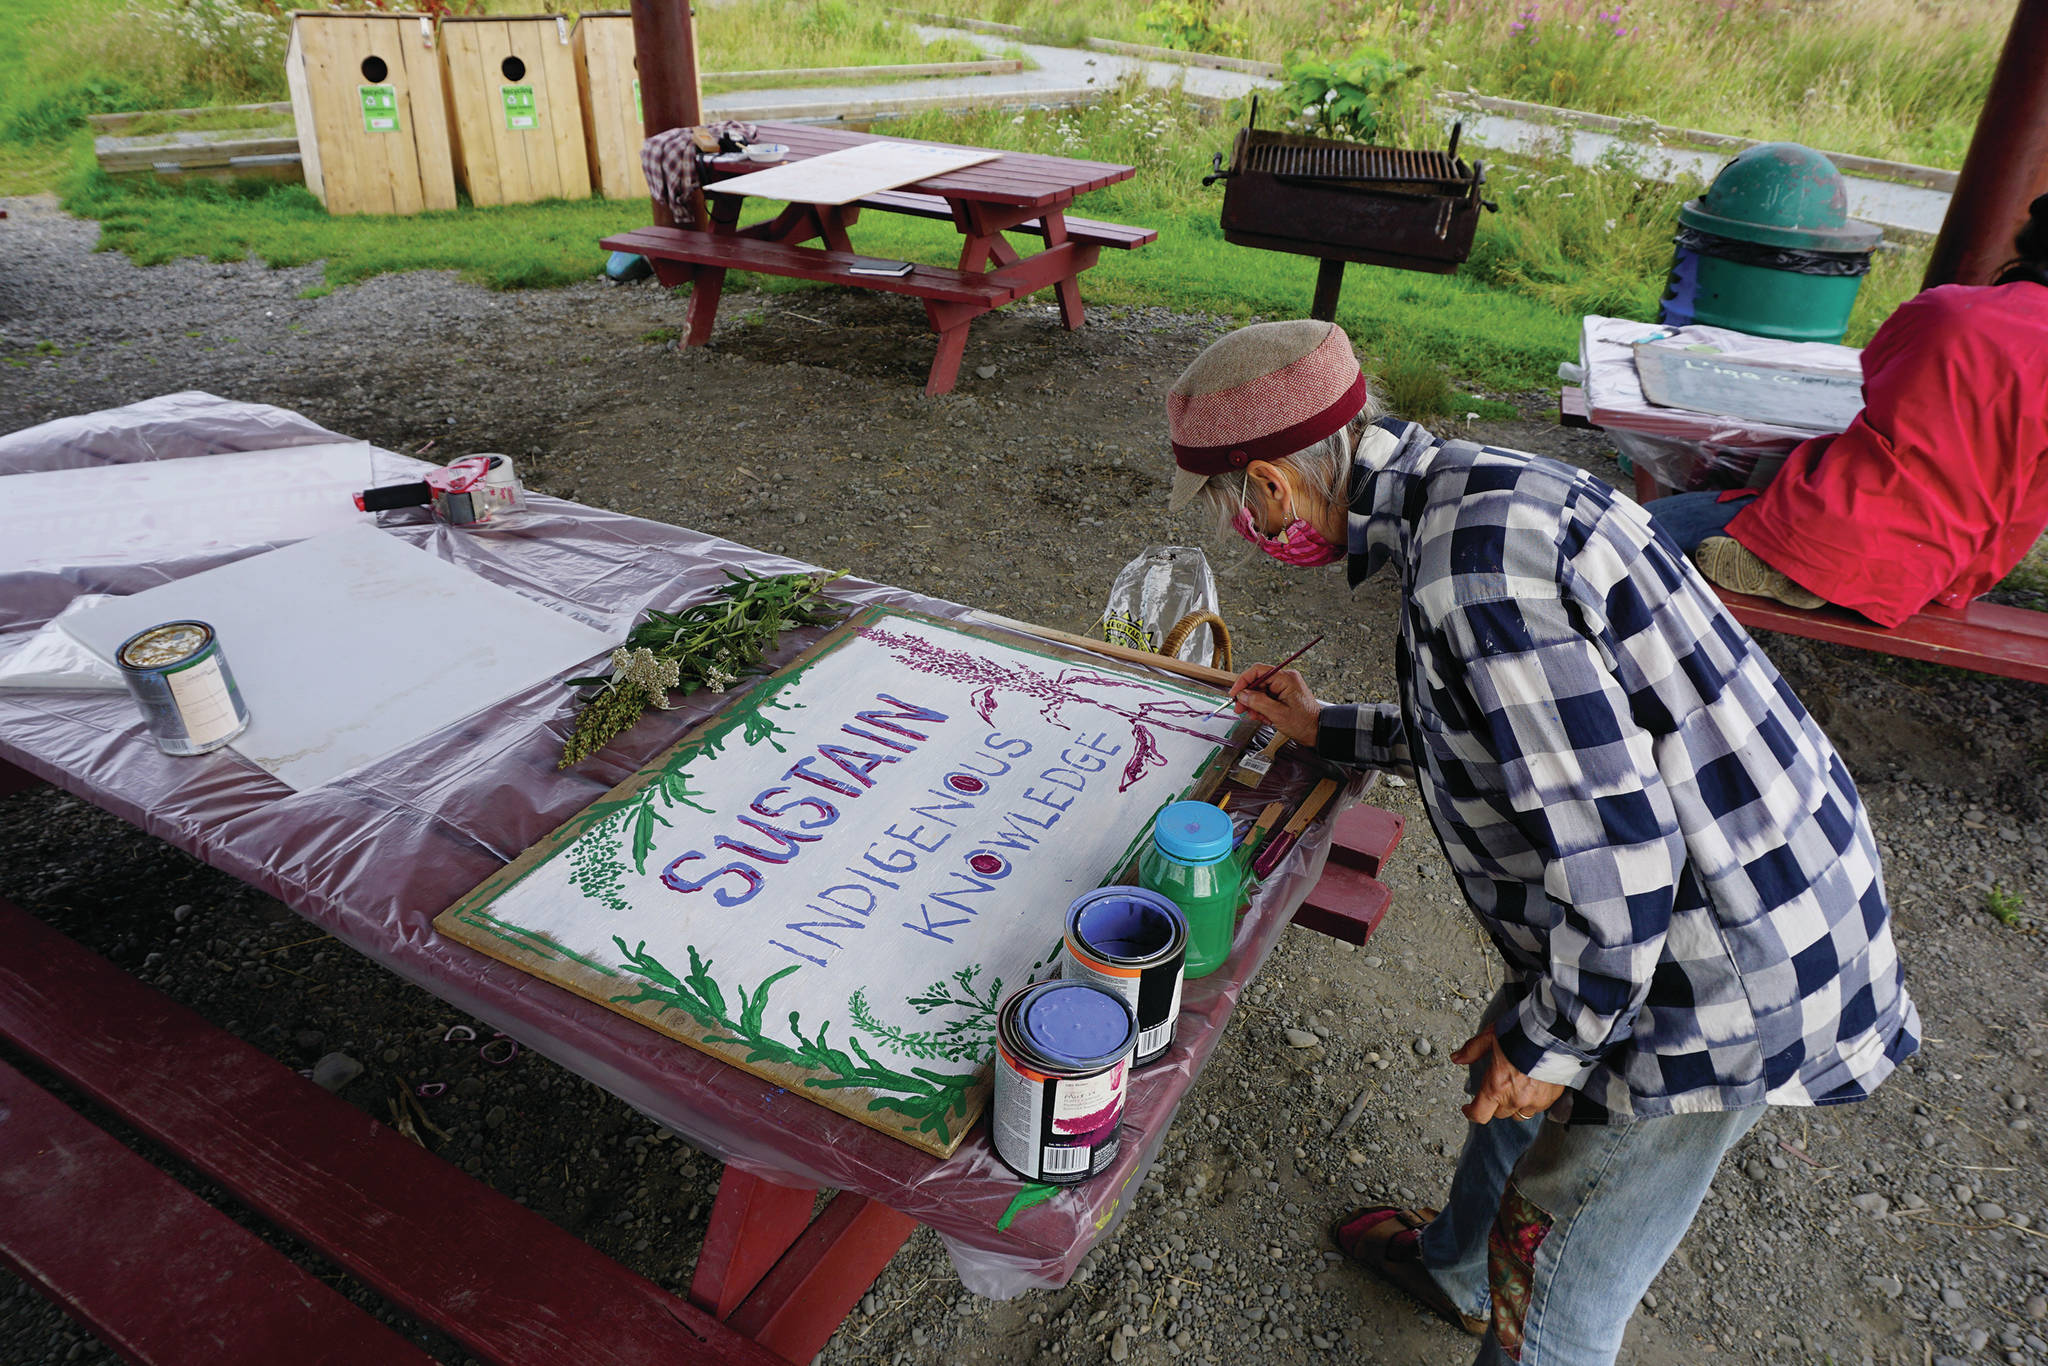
column 1936, row 490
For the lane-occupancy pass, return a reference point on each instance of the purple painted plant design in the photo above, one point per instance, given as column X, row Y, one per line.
column 1053, row 693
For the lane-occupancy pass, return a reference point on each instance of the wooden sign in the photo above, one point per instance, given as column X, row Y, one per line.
column 834, row 882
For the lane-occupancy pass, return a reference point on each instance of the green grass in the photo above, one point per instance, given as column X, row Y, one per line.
column 2007, row 908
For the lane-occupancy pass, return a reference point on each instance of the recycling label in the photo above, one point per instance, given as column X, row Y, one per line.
column 521, row 113
column 380, row 108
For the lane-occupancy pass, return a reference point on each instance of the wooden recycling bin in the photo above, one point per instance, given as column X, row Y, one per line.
column 372, row 119
column 513, row 106
column 608, row 80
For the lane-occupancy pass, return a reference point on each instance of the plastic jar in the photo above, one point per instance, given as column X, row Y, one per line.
column 1190, row 862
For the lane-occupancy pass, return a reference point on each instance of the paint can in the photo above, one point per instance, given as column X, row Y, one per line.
column 1063, row 1055
column 1134, row 943
column 180, row 679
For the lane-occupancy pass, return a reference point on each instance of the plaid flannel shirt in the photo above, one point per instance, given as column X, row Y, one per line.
column 1661, row 842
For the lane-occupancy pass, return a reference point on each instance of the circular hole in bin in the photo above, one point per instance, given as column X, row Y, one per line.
column 374, row 70
column 513, row 68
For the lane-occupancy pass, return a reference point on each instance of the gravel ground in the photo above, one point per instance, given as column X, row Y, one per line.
column 1910, row 1229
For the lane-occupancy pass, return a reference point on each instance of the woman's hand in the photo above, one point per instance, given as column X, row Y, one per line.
column 1506, row 1093
column 1283, row 700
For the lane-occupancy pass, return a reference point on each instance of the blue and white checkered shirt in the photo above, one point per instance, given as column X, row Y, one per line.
column 1661, row 842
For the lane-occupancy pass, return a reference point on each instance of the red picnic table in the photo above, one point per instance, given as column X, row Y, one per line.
column 1017, row 192
column 372, row 858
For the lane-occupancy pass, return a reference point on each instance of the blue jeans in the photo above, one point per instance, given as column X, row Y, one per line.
column 1689, row 518
column 1554, row 1231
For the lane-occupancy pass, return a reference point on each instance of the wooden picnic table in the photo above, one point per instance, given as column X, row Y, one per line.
column 1017, row 192
column 372, row 858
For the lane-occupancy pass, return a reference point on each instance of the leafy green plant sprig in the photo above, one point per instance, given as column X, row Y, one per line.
column 710, row 644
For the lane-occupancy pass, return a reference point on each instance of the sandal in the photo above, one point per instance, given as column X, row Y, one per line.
column 1364, row 1236
column 1734, row 566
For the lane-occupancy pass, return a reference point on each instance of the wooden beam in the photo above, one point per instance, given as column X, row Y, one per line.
column 665, row 48
column 108, row 123
column 2007, row 163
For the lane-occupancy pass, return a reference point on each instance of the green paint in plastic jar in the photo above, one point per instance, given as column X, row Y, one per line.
column 1190, row 862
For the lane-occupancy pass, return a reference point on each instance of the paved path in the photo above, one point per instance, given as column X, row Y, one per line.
column 1063, row 74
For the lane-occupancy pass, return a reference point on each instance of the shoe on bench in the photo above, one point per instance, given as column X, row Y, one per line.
column 1734, row 566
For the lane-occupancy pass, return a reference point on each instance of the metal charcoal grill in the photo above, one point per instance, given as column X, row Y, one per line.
column 1346, row 201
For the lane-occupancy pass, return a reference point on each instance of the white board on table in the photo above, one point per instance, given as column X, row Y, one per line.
column 156, row 510
column 853, row 172
column 835, row 882
column 1701, row 379
column 350, row 646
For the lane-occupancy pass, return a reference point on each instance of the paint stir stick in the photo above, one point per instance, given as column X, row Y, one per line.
column 1267, row 676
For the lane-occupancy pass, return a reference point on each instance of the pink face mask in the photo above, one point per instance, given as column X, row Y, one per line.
column 1297, row 544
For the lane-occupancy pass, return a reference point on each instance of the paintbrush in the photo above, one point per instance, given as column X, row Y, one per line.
column 1266, row 677
column 1270, row 857
column 1254, row 766
column 1268, row 818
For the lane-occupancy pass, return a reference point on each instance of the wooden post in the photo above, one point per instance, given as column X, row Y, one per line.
column 2007, row 164
column 1329, row 284
column 665, row 41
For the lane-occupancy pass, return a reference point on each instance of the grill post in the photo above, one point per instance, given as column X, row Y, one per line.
column 1329, row 284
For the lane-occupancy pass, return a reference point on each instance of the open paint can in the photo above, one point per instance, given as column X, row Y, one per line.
column 1063, row 1054
column 180, row 678
column 1134, row 943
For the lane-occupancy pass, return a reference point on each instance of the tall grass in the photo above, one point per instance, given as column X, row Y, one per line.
column 1902, row 79
column 777, row 35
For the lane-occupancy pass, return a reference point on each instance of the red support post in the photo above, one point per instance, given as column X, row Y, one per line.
column 2007, row 165
column 753, row 1222
column 665, row 55
column 802, row 1302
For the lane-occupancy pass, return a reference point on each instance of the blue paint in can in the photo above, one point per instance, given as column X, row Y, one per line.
column 1063, row 1054
column 1078, row 1027
column 1133, row 942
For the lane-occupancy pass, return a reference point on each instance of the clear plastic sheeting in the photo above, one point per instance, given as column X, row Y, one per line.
column 167, row 427
column 373, row 857
column 175, row 426
column 1685, row 450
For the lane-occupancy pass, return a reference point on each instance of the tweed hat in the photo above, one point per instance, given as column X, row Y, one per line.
column 1259, row 393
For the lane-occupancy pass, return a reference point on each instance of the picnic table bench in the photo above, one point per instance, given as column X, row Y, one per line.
column 1023, row 193
column 1988, row 637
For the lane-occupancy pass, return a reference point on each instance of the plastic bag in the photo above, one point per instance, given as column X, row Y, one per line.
column 1797, row 260
column 1151, row 595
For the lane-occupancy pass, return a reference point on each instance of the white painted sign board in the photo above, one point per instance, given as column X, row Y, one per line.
column 350, row 646
column 835, row 882
column 852, row 172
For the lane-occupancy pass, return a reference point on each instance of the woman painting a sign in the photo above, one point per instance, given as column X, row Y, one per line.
column 1664, row 848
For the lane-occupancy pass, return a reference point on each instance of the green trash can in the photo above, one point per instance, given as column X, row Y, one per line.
column 1770, row 249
